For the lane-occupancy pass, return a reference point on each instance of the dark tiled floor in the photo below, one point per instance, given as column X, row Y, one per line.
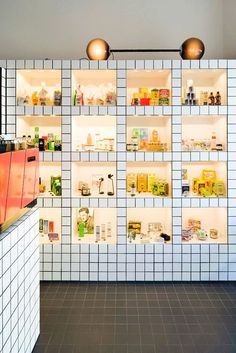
column 137, row 318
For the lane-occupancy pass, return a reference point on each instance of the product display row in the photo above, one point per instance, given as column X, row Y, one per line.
column 207, row 185
column 98, row 87
column 146, row 134
column 144, row 225
column 98, row 179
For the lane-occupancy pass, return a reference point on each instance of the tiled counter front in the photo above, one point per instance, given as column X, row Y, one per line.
column 19, row 285
column 177, row 260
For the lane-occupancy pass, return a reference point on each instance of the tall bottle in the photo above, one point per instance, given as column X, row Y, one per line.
column 79, row 96
column 211, row 99
column 81, row 230
column 213, row 141
column 218, row 98
column 36, row 136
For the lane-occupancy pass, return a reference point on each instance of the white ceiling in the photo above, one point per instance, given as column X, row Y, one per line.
column 62, row 28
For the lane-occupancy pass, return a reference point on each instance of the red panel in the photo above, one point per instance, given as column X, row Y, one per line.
column 16, row 178
column 5, row 159
column 31, row 166
column 36, row 185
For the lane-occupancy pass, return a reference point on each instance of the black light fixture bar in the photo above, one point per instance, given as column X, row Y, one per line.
column 99, row 49
column 145, row 50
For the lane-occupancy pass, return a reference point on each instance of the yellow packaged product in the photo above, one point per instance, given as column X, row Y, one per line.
column 143, row 90
column 152, row 179
column 208, row 174
column 142, row 183
column 131, row 179
column 195, row 185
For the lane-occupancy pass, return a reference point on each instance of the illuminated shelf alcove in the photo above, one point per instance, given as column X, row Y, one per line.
column 50, row 176
column 50, row 225
column 210, row 221
column 47, row 125
column 94, row 133
column 205, row 179
column 205, row 80
column 94, row 225
column 148, row 179
column 98, row 87
column 30, row 81
column 152, row 134
column 151, row 225
column 140, row 80
column 93, row 179
column 197, row 132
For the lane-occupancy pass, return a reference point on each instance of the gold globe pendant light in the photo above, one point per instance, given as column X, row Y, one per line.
column 191, row 49
column 98, row 49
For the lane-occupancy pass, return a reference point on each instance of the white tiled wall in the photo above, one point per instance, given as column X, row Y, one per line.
column 3, row 98
column 175, row 261
column 19, row 285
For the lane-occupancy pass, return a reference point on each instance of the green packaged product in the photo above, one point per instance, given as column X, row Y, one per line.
column 81, row 229
column 164, row 101
column 56, row 185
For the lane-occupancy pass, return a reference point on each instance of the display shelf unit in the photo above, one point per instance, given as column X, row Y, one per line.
column 47, row 171
column 38, row 83
column 155, row 221
column 94, row 179
column 50, row 225
column 212, row 220
column 120, row 260
column 101, row 225
column 100, row 130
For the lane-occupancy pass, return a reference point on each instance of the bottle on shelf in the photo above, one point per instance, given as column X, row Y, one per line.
column 79, row 96
column 218, row 98
column 213, row 142
column 109, row 230
column 89, row 139
column 211, row 99
column 103, row 231
column 41, row 144
column 97, row 237
column 36, row 136
column 81, row 229
column 132, row 189
column 57, row 95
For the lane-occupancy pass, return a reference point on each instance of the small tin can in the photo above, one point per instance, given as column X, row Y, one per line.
column 164, row 101
column 129, row 147
column 164, row 93
column 213, row 233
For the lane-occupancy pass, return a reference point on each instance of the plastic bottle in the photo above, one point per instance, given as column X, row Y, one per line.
column 36, row 136
column 154, row 136
column 81, row 230
column 79, row 97
column 218, row 98
column 213, row 141
column 211, row 99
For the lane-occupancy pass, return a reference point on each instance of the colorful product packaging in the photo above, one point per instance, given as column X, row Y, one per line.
column 134, row 226
column 142, row 185
column 143, row 138
column 152, row 179
column 164, row 93
column 131, row 179
column 220, row 188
